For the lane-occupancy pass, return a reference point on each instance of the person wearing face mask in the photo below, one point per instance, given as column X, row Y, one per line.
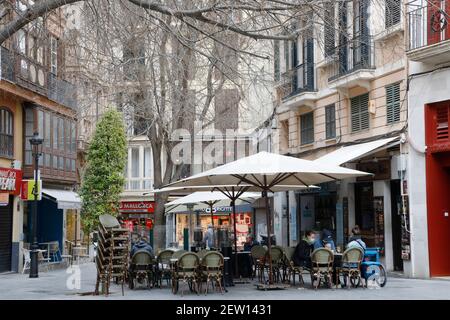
column 302, row 253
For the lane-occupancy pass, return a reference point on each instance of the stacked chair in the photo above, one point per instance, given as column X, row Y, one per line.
column 112, row 254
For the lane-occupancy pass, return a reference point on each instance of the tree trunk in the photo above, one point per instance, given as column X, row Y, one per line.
column 159, row 231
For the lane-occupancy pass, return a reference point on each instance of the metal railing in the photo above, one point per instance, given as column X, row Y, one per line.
column 298, row 80
column 25, row 72
column 355, row 54
column 428, row 25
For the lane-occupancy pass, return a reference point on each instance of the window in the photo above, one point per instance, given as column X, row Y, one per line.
column 6, row 133
column 276, row 60
column 54, row 55
column 359, row 112
column 73, row 142
column 55, row 133
column 29, row 129
column 330, row 122
column 392, row 12
column 286, row 55
column 61, row 134
column 307, row 128
column 393, row 103
column 47, row 130
column 134, row 163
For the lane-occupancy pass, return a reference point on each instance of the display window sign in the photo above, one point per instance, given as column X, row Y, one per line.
column 4, row 199
column 136, row 207
column 10, row 180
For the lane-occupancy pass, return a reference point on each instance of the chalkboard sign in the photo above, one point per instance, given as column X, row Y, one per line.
column 379, row 223
column 406, row 240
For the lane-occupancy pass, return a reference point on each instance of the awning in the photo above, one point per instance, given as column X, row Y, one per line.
column 65, row 199
column 355, row 151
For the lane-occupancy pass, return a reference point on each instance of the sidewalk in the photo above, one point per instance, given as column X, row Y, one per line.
column 57, row 284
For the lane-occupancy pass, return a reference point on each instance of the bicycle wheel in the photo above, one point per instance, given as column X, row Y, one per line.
column 382, row 279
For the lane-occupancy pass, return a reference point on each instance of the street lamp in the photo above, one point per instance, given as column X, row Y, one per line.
column 36, row 144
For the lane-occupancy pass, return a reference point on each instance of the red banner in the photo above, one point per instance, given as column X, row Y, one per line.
column 10, row 180
column 136, row 207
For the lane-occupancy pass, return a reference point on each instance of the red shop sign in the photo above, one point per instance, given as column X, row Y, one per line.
column 10, row 180
column 137, row 207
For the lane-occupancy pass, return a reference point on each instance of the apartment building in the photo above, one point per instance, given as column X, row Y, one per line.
column 341, row 98
column 428, row 52
column 36, row 97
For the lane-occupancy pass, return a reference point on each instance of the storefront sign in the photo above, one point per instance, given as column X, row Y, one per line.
column 4, row 199
column 27, row 193
column 10, row 180
column 136, row 207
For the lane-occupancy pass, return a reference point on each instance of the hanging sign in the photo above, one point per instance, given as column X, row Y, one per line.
column 27, row 193
column 10, row 180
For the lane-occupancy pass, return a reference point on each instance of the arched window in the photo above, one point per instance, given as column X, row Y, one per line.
column 6, row 133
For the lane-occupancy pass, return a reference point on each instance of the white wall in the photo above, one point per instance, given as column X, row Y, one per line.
column 428, row 88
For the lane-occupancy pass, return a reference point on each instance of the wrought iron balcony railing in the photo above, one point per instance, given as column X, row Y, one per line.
column 351, row 56
column 23, row 71
column 298, row 80
column 428, row 24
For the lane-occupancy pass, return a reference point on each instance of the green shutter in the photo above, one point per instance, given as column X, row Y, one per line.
column 276, row 59
column 393, row 103
column 307, row 128
column 359, row 109
column 330, row 122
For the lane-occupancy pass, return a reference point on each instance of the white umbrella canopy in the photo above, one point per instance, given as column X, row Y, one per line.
column 209, row 197
column 267, row 170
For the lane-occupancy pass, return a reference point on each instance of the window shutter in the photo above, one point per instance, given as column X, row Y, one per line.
column 276, row 60
column 392, row 12
column 442, row 123
column 393, row 103
column 329, row 28
column 359, row 109
column 330, row 122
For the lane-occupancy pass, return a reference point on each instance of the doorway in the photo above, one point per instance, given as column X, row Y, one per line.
column 6, row 223
column 364, row 212
column 396, row 220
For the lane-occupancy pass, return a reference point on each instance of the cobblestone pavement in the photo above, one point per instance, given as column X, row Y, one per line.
column 62, row 284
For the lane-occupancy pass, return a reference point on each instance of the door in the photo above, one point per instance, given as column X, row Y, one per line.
column 396, row 202
column 364, row 212
column 6, row 221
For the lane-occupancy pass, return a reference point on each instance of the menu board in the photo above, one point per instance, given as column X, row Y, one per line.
column 379, row 223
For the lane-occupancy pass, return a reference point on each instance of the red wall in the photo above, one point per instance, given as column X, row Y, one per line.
column 438, row 198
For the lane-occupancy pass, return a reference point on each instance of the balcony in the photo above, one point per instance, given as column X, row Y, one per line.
column 429, row 33
column 297, row 87
column 35, row 77
column 354, row 64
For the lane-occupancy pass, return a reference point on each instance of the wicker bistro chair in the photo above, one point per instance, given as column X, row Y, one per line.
column 350, row 267
column 186, row 269
column 258, row 254
column 163, row 267
column 277, row 255
column 321, row 267
column 291, row 269
column 212, row 269
column 142, row 269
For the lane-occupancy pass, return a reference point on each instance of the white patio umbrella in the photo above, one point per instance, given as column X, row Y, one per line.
column 209, row 199
column 266, row 172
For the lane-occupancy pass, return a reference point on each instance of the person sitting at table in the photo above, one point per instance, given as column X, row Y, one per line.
column 142, row 244
column 327, row 239
column 249, row 243
column 302, row 253
column 355, row 240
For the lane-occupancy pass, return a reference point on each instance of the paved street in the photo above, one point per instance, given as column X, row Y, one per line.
column 53, row 285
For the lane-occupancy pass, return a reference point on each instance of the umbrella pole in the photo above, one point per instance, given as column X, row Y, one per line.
column 212, row 215
column 236, row 268
column 269, row 237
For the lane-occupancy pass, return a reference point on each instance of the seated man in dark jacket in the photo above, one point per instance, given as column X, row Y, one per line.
column 142, row 244
column 302, row 253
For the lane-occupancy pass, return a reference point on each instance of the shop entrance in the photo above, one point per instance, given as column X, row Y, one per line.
column 364, row 212
column 437, row 138
column 6, row 222
column 396, row 207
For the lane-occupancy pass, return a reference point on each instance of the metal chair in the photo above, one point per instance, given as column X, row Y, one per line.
column 291, row 269
column 350, row 267
column 212, row 269
column 186, row 270
column 276, row 255
column 142, row 268
column 321, row 267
